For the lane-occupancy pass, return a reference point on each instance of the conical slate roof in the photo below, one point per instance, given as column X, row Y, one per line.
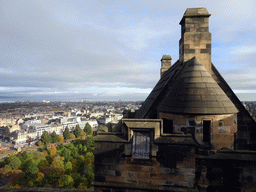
column 196, row 92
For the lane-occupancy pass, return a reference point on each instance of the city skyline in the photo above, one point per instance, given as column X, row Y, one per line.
column 111, row 50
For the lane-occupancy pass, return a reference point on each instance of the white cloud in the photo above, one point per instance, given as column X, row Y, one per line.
column 113, row 47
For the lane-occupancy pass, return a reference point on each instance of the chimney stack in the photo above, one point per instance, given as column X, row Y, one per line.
column 166, row 63
column 195, row 37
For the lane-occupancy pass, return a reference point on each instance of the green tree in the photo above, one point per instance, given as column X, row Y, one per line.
column 66, row 181
column 61, row 146
column 89, row 174
column 81, row 149
column 54, row 137
column 88, row 129
column 66, row 133
column 46, row 138
column 13, row 162
column 66, row 153
column 68, row 168
column 31, row 170
column 24, row 156
column 74, row 152
column 89, row 142
column 78, row 131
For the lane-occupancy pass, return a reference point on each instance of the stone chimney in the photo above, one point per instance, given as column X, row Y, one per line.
column 195, row 37
column 166, row 63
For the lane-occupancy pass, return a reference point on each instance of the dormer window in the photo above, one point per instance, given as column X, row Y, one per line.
column 141, row 145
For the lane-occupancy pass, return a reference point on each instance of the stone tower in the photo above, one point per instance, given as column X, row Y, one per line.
column 195, row 37
column 166, row 62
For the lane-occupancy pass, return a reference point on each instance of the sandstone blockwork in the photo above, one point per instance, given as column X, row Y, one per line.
column 174, row 166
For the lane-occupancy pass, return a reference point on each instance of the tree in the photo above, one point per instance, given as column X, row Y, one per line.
column 78, row 131
column 89, row 158
column 74, row 152
column 66, row 153
column 66, row 133
column 53, row 150
column 4, row 172
column 89, row 174
column 40, row 177
column 88, row 129
column 31, row 170
column 61, row 138
column 42, row 164
column 24, row 156
column 72, row 136
column 13, row 162
column 39, row 156
column 46, row 138
column 68, row 168
column 54, row 137
column 56, row 169
column 66, row 181
column 83, row 134
column 40, row 143
column 16, row 176
column 60, row 146
column 81, row 149
column 89, row 142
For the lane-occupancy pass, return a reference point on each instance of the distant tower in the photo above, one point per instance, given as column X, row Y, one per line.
column 195, row 37
column 166, row 63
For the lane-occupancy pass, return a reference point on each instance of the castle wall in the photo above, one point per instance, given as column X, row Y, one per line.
column 173, row 165
column 223, row 127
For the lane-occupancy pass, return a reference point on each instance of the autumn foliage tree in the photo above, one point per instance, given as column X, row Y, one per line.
column 72, row 136
column 61, row 138
column 40, row 143
column 39, row 178
column 56, row 169
column 53, row 150
column 15, row 176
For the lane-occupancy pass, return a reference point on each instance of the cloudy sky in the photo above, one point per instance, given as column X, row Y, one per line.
column 111, row 49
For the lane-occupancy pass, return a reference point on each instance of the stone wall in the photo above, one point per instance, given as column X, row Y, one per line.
column 228, row 171
column 223, row 127
column 43, row 190
column 173, row 166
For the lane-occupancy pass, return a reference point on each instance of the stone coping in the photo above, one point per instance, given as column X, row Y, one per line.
column 141, row 187
column 109, row 133
column 109, row 138
column 142, row 120
column 44, row 190
column 238, row 151
column 176, row 140
column 249, row 156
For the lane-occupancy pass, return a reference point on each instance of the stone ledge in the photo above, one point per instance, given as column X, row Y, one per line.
column 141, row 187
